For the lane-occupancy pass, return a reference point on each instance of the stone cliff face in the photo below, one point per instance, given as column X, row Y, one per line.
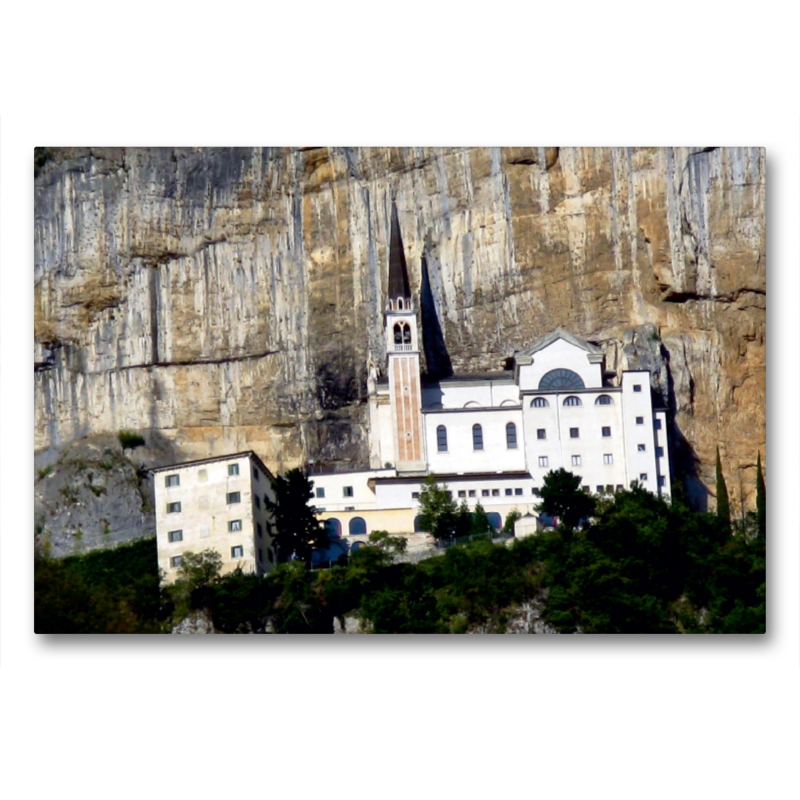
column 226, row 299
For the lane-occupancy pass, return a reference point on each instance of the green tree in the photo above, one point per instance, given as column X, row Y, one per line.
column 438, row 509
column 563, row 497
column 723, row 504
column 393, row 545
column 463, row 519
column 761, row 500
column 480, row 521
column 508, row 525
column 299, row 531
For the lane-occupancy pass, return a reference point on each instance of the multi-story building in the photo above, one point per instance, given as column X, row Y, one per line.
column 492, row 437
column 218, row 504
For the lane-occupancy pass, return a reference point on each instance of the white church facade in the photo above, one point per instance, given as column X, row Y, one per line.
column 492, row 438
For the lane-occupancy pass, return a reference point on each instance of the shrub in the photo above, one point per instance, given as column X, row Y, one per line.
column 130, row 439
column 44, row 472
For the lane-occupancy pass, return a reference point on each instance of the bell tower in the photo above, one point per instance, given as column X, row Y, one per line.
column 402, row 356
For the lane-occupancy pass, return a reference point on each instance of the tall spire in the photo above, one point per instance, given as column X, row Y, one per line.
column 398, row 275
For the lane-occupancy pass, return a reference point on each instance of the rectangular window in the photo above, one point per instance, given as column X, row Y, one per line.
column 258, row 501
column 415, row 495
column 662, row 480
column 320, row 491
column 599, row 489
column 576, row 461
column 233, row 469
column 260, row 556
column 470, row 493
column 259, row 530
column 606, row 431
column 640, row 448
column 542, row 461
column 540, row 433
column 609, row 487
column 536, row 492
column 608, row 458
column 518, row 491
column 349, row 508
column 462, row 493
column 640, row 420
column 173, row 508
column 173, row 480
column 642, row 476
column 255, row 473
column 175, row 561
column 175, row 536
column 509, row 492
column 205, row 531
column 449, row 493
column 202, row 475
column 348, row 491
column 637, row 387
column 237, row 551
column 495, row 493
column 574, row 433
column 659, row 451
column 233, row 497
column 235, row 525
column 619, row 487
column 484, row 492
column 657, row 424
column 266, row 502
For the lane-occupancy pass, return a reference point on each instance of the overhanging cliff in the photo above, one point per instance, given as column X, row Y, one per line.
column 232, row 298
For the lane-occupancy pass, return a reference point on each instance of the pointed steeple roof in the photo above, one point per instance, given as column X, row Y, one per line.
column 398, row 274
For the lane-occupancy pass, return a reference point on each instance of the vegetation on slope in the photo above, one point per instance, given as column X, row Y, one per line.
column 641, row 566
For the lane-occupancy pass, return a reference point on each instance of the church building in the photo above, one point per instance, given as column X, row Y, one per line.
column 491, row 438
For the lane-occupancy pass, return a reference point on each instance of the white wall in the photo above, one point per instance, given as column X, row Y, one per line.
column 560, row 354
column 638, row 404
column 486, row 394
column 496, row 456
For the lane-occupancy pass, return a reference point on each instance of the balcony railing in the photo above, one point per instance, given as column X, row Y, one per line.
column 405, row 347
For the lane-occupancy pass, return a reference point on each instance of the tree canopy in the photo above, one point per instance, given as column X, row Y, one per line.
column 563, row 497
column 299, row 531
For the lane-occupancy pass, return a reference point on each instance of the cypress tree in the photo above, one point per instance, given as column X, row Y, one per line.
column 723, row 505
column 761, row 500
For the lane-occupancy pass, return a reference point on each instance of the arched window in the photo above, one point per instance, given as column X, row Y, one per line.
column 357, row 527
column 333, row 528
column 539, row 402
column 572, row 400
column 441, row 439
column 604, row 400
column 400, row 304
column 495, row 520
column 418, row 524
column 511, row 436
column 472, row 404
column 477, row 437
column 398, row 333
column 561, row 379
column 354, row 548
column 406, row 334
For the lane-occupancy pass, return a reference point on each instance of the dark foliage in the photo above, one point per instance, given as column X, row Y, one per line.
column 723, row 502
column 299, row 530
column 761, row 500
column 563, row 497
column 106, row 591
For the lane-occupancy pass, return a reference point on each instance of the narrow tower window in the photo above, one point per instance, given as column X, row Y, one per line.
column 441, row 439
column 477, row 437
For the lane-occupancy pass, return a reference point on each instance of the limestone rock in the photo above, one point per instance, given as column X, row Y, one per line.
column 231, row 299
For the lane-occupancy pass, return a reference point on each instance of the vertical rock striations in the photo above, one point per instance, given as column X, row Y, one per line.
column 232, row 298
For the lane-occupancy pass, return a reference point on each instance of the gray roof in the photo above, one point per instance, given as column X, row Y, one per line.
column 559, row 333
